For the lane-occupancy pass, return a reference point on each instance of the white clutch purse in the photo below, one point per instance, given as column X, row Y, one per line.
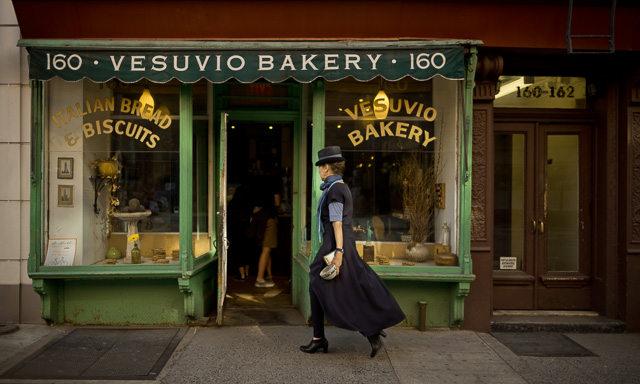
column 330, row 271
column 328, row 258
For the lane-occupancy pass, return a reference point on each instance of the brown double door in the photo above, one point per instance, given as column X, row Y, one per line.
column 542, row 200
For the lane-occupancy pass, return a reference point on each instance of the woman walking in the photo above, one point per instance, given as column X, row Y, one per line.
column 356, row 299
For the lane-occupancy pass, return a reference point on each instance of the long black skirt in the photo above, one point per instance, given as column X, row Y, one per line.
column 357, row 299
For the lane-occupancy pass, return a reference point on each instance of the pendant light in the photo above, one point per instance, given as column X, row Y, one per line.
column 381, row 104
column 146, row 97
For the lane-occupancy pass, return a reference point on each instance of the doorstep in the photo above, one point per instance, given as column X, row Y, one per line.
column 554, row 321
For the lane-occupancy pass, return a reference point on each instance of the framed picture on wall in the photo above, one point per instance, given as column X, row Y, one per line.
column 65, row 168
column 65, row 195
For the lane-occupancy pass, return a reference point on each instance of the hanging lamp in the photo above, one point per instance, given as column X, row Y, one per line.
column 381, row 104
column 146, row 97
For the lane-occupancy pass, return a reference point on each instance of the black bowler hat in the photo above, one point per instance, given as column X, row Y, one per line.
column 331, row 154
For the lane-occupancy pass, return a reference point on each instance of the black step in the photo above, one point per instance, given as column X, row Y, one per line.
column 551, row 321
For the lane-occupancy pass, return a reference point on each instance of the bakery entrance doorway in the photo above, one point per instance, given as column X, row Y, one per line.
column 259, row 222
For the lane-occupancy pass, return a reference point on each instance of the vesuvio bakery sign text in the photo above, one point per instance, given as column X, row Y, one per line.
column 379, row 127
column 234, row 63
column 246, row 66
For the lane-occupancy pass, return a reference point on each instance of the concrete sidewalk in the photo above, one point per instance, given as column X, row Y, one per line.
column 270, row 354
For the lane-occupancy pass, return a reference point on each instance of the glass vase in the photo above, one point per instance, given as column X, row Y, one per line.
column 136, row 257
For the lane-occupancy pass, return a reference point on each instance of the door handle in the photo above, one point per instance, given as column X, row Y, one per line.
column 537, row 226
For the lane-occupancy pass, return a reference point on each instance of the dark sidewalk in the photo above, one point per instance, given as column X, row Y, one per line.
column 269, row 354
column 260, row 344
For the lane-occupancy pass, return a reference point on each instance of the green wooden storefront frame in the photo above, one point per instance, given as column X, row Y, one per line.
column 139, row 294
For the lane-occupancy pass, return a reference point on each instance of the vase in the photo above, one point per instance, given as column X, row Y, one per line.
column 446, row 259
column 136, row 258
column 114, row 253
column 417, row 252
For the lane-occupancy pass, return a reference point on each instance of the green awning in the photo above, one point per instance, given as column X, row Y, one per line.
column 218, row 66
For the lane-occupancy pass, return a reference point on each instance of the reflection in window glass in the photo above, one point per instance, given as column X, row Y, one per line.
column 150, row 174
column 149, row 169
column 123, row 140
column 399, row 147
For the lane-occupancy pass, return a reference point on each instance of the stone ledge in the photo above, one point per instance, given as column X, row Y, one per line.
column 556, row 323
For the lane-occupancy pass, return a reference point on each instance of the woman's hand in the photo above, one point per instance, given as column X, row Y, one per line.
column 337, row 261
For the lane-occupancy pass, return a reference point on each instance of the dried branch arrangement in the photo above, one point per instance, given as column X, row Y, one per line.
column 419, row 178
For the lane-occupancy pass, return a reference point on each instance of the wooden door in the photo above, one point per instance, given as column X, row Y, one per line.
column 542, row 253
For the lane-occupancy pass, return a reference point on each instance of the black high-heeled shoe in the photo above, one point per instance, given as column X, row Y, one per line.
column 314, row 345
column 375, row 342
column 381, row 333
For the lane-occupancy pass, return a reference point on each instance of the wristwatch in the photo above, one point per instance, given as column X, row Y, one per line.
column 341, row 250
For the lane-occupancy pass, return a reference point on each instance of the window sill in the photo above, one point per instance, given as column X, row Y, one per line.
column 422, row 273
column 108, row 271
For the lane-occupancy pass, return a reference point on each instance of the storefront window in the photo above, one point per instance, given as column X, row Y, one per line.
column 113, row 181
column 400, row 140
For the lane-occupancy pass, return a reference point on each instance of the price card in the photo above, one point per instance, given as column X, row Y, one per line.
column 61, row 252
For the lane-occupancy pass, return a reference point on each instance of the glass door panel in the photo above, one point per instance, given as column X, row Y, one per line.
column 509, row 201
column 563, row 251
column 562, row 203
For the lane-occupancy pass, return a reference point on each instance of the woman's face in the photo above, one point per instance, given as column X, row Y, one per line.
column 324, row 170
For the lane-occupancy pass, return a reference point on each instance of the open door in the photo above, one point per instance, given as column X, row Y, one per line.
column 223, row 244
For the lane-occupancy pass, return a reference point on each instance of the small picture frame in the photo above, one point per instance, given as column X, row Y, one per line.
column 65, row 195
column 65, row 167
